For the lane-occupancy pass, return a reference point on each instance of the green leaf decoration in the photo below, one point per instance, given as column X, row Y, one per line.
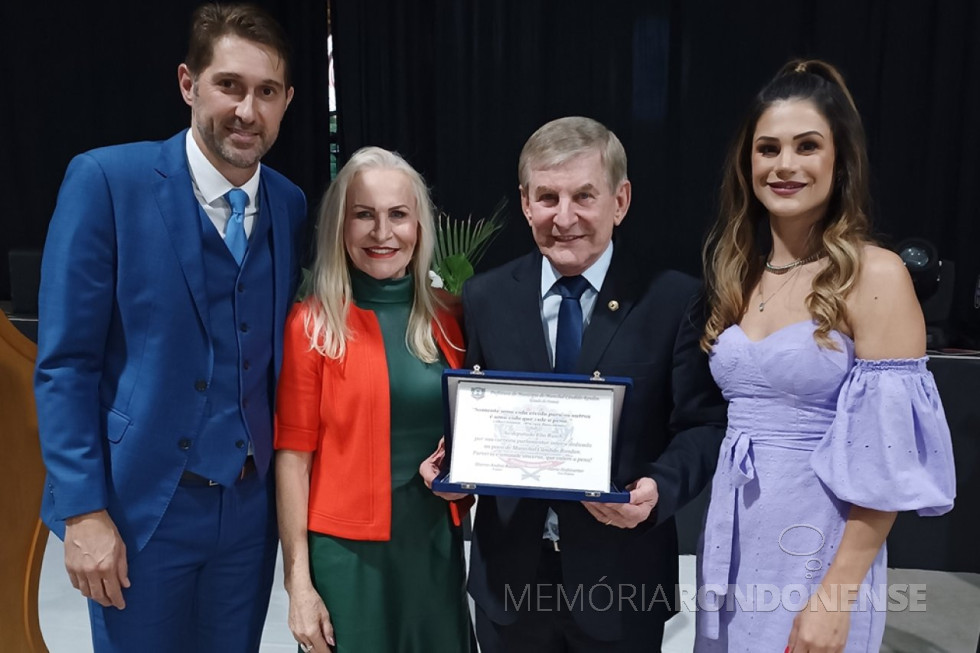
column 454, row 270
column 460, row 244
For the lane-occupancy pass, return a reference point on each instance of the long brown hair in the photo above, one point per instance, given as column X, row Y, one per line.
column 733, row 257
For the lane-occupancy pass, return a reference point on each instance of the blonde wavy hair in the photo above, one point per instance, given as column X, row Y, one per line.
column 735, row 250
column 330, row 298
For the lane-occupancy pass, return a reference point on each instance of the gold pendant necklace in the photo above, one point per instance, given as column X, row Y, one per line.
column 763, row 300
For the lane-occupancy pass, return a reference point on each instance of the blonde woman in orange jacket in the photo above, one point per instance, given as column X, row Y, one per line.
column 373, row 560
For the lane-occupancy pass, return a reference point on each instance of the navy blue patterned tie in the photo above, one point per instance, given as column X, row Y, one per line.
column 568, row 342
column 235, row 236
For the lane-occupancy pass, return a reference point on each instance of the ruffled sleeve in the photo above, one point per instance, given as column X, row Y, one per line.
column 889, row 446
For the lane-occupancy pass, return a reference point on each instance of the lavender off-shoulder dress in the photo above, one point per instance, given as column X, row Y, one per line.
column 811, row 430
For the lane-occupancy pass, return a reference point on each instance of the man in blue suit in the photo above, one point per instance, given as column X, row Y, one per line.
column 167, row 274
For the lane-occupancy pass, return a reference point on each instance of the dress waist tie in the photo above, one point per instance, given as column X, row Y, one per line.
column 735, row 469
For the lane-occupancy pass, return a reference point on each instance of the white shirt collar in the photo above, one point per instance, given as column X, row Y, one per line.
column 595, row 274
column 210, row 183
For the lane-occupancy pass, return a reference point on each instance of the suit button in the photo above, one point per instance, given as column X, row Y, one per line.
column 184, row 444
column 246, row 365
column 240, row 444
column 200, row 385
column 244, row 327
column 241, row 287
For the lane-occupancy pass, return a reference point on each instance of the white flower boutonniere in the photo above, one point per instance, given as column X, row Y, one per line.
column 434, row 279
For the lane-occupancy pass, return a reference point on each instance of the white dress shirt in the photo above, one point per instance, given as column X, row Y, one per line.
column 210, row 187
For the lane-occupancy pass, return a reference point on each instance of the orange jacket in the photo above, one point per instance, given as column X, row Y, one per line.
column 340, row 410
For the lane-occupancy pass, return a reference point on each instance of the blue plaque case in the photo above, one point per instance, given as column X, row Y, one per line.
column 621, row 387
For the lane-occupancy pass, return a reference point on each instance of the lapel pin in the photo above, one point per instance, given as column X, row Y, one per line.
column 613, row 305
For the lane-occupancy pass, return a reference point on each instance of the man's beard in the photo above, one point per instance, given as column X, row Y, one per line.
column 231, row 155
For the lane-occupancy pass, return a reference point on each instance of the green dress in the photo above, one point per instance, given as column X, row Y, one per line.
column 408, row 594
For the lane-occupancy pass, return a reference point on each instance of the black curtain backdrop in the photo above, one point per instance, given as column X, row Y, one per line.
column 87, row 74
column 457, row 87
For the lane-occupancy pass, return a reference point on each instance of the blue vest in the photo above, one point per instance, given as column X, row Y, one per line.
column 240, row 390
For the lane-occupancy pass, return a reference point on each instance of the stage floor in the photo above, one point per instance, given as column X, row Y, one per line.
column 950, row 624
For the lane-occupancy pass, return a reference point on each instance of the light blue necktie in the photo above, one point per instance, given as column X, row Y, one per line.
column 235, row 237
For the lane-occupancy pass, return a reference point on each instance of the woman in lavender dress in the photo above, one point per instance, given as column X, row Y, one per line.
column 818, row 343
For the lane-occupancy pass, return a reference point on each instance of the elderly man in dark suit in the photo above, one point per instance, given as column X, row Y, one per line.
column 563, row 575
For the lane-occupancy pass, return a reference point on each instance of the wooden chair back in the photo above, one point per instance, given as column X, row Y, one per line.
column 21, row 486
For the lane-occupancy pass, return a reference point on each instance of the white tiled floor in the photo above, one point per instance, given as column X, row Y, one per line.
column 949, row 625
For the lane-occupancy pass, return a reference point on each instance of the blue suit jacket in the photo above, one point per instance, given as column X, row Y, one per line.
column 123, row 338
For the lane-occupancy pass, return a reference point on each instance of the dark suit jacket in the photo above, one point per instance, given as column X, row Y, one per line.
column 671, row 430
column 124, row 349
